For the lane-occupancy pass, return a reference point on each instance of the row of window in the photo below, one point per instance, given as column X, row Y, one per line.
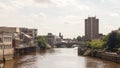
column 6, row 39
column 6, row 46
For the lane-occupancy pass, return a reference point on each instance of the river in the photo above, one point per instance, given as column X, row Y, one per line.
column 58, row 58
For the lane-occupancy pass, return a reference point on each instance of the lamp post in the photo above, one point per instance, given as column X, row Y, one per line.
column 3, row 46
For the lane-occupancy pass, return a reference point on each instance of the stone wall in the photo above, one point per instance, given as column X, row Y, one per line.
column 99, row 54
column 108, row 56
column 8, row 54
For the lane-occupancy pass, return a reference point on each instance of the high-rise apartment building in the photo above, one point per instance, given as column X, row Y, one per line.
column 91, row 28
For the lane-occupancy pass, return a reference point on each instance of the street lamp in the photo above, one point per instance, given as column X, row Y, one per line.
column 3, row 46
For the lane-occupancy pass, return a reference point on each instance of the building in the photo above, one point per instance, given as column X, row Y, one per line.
column 91, row 28
column 58, row 40
column 21, row 35
column 17, row 40
column 10, row 29
column 28, row 36
column 16, row 34
column 6, row 47
column 60, row 35
column 51, row 39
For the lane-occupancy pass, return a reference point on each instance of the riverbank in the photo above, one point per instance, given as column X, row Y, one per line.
column 58, row 58
column 114, row 57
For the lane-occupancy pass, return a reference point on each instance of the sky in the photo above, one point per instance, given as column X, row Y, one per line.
column 65, row 16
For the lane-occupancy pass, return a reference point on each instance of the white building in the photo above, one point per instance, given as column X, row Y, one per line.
column 6, row 48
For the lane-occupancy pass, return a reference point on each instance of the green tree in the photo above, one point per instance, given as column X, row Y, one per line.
column 119, row 29
column 113, row 41
column 96, row 44
column 79, row 38
column 110, row 42
column 42, row 43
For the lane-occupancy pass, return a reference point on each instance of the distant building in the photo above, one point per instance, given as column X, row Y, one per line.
column 6, row 47
column 67, row 40
column 60, row 35
column 58, row 39
column 91, row 28
column 51, row 39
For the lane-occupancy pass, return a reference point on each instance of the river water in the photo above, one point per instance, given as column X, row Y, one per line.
column 58, row 58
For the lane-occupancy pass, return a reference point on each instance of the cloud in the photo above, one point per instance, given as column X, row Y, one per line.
column 84, row 7
column 62, row 3
column 36, row 18
column 58, row 3
column 72, row 19
column 42, row 1
column 40, row 15
column 45, row 13
column 108, row 28
column 22, row 3
column 114, row 14
column 17, row 4
column 4, row 7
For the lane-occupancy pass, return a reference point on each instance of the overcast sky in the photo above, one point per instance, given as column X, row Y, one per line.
column 65, row 16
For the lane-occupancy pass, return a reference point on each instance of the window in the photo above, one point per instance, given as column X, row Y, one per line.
column 0, row 46
column 0, row 40
column 7, row 39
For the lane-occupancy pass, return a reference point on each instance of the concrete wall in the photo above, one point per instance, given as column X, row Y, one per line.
column 8, row 54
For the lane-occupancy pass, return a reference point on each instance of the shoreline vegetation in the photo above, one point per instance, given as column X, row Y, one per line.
column 107, row 48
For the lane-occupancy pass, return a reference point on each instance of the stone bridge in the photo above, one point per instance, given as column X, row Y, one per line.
column 66, row 44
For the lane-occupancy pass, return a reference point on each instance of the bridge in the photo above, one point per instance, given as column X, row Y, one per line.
column 67, row 44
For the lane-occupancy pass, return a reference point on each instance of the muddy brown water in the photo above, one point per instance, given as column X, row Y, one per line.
column 58, row 58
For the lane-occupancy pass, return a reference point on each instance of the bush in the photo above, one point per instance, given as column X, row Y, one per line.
column 118, row 52
column 96, row 44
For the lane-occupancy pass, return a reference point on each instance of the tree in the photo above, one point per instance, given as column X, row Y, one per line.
column 119, row 29
column 42, row 43
column 79, row 38
column 113, row 41
column 110, row 42
column 96, row 44
column 118, row 40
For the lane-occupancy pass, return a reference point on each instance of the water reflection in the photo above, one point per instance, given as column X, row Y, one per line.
column 58, row 58
column 61, row 58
